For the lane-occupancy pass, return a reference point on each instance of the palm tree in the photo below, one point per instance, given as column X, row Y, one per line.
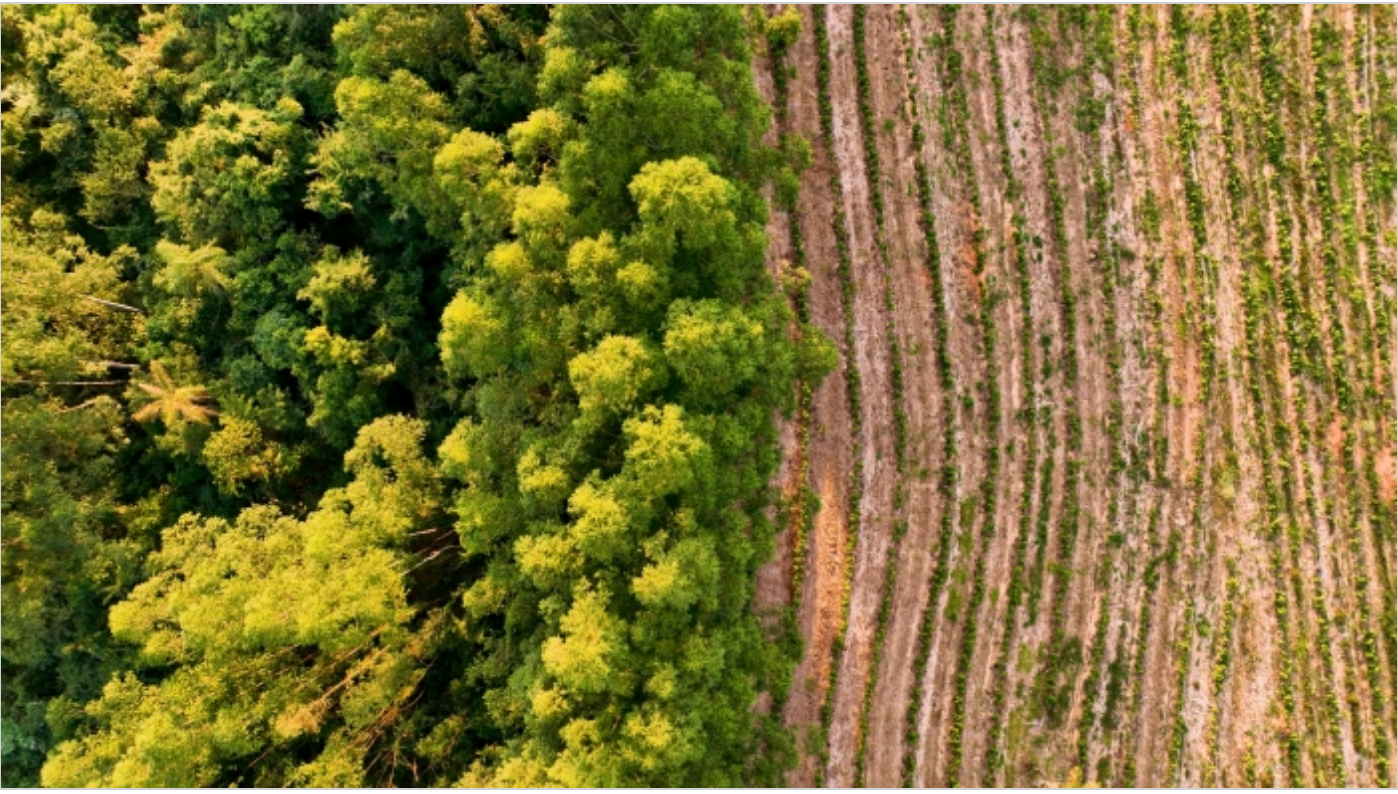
column 192, row 272
column 173, row 402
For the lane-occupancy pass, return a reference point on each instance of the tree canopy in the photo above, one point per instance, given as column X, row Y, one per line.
column 388, row 395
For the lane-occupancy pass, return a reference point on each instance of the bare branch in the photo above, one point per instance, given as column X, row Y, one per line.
column 65, row 382
column 113, row 304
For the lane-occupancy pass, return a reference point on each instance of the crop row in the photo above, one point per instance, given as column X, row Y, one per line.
column 1356, row 148
column 1277, row 495
column 1053, row 688
column 1206, row 274
column 1107, row 265
column 957, row 114
column 852, row 381
column 1155, row 457
column 1260, row 293
column 947, row 476
column 804, row 505
column 1143, row 627
column 875, row 182
column 1015, row 594
column 1223, row 660
column 1339, row 257
column 1178, row 729
column 1328, row 279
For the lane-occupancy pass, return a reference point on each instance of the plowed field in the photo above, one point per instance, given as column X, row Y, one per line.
column 1104, row 479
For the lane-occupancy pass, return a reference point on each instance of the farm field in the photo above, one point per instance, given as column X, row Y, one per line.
column 1104, row 479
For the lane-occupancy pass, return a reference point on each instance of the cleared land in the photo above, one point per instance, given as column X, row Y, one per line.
column 1106, row 469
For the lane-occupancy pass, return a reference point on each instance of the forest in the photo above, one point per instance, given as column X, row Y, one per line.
column 383, row 405
column 590, row 395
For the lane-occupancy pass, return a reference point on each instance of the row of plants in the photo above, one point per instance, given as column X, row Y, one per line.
column 1327, row 58
column 946, row 481
column 873, row 177
column 1353, row 151
column 1304, row 192
column 1379, row 175
column 852, row 379
column 1339, row 257
column 781, row 35
column 1107, row 264
column 1203, row 307
column 1029, row 416
column 1222, row 654
column 1144, row 621
column 957, row 113
column 1179, row 727
column 1155, row 458
column 1303, row 369
column 1373, row 41
column 1184, row 645
column 1224, row 42
column 1196, row 210
column 1380, row 178
column 1230, row 32
column 1055, row 681
column 1278, row 494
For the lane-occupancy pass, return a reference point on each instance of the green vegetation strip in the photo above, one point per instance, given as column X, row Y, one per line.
column 1053, row 688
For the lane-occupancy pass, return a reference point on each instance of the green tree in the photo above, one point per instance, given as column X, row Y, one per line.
column 226, row 180
column 229, row 606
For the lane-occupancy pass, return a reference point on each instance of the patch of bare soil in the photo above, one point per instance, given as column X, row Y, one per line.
column 1387, row 466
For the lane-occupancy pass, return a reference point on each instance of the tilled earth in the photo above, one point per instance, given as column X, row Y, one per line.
column 1142, row 532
